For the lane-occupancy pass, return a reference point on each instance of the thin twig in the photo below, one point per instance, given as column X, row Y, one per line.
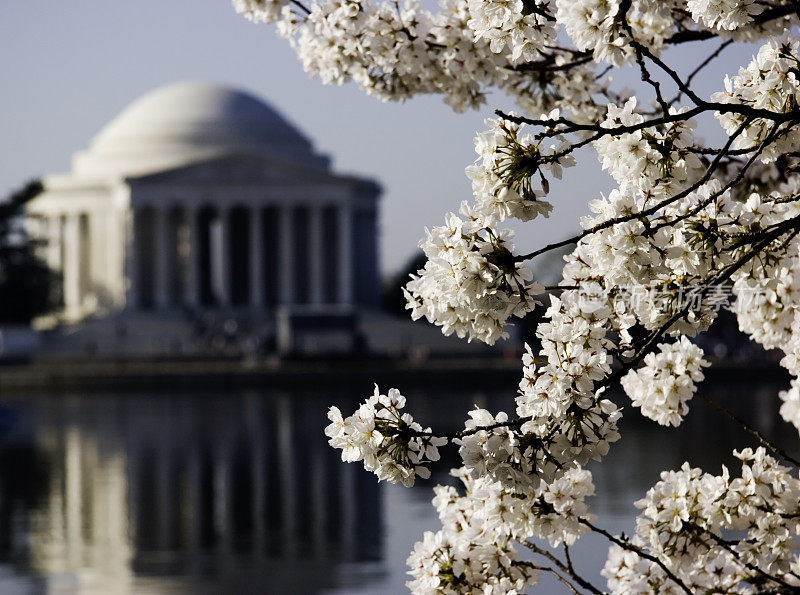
column 639, row 551
column 566, row 568
column 301, row 6
column 750, row 430
column 708, row 61
column 624, row 7
column 796, row 6
column 569, row 585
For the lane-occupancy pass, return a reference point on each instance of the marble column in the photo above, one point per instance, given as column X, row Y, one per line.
column 54, row 242
column 345, row 260
column 131, row 273
column 162, row 250
column 224, row 258
column 113, row 256
column 286, row 260
column 256, row 258
column 192, row 263
column 71, row 265
column 315, row 249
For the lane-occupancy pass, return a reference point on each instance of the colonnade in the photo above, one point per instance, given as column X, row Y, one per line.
column 243, row 256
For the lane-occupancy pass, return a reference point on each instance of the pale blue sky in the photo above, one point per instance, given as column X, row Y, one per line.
column 70, row 67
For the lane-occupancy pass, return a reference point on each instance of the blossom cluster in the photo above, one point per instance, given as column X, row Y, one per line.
column 391, row 443
column 657, row 161
column 666, row 382
column 508, row 178
column 512, row 26
column 260, row 11
column 597, row 25
column 768, row 83
column 471, row 284
column 723, row 14
column 565, row 422
column 399, row 50
column 717, row 533
column 474, row 550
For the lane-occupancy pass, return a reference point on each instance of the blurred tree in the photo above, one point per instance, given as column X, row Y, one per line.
column 28, row 288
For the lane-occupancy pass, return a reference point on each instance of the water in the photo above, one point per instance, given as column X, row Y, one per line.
column 237, row 491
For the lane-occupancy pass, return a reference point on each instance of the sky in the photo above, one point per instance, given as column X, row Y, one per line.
column 69, row 67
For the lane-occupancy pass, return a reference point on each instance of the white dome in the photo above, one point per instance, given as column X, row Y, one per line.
column 191, row 122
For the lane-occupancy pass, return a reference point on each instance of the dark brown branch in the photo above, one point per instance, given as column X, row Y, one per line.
column 301, row 6
column 624, row 7
column 563, row 580
column 565, row 568
column 682, row 86
column 638, row 551
column 707, row 61
column 701, row 107
column 796, row 7
column 750, row 430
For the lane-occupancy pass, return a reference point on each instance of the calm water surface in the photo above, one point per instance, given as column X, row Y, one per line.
column 238, row 492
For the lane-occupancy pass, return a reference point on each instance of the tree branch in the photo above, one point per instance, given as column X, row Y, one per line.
column 566, row 568
column 638, row 551
column 750, row 430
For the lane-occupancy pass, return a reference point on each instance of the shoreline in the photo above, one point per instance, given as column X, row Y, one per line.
column 194, row 374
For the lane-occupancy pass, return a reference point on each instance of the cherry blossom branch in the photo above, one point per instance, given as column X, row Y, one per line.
column 771, row 137
column 650, row 341
column 625, row 544
column 725, row 274
column 638, row 54
column 646, row 212
column 752, row 567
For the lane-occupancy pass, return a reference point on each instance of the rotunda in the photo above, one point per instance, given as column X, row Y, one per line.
column 202, row 196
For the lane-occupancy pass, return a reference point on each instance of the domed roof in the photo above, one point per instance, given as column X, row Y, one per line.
column 191, row 122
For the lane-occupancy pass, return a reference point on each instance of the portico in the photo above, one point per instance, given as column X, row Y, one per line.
column 249, row 252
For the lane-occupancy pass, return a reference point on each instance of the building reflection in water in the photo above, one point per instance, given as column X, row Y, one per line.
column 233, row 491
column 239, row 492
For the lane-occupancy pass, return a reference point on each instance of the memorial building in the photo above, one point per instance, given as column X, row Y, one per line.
column 202, row 197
